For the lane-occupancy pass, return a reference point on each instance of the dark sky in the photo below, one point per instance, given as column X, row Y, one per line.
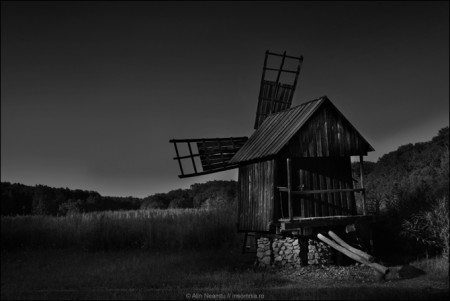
column 92, row 92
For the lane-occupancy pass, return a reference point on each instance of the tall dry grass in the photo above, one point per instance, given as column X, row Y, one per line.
column 174, row 229
column 436, row 267
column 430, row 228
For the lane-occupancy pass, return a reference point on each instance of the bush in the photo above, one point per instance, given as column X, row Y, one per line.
column 70, row 207
column 430, row 228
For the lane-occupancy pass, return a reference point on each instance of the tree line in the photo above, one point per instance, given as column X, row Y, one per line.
column 20, row 199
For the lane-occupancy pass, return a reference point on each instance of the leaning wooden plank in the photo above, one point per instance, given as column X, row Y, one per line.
column 377, row 267
column 350, row 248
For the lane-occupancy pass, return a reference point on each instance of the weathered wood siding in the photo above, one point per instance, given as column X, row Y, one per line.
column 256, row 196
column 319, row 174
column 326, row 134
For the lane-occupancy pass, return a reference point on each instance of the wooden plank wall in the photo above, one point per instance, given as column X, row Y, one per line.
column 256, row 196
column 326, row 134
column 319, row 174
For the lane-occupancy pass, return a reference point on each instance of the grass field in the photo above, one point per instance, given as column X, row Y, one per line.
column 174, row 254
column 66, row 274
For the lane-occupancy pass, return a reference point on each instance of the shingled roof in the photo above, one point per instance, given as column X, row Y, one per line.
column 278, row 129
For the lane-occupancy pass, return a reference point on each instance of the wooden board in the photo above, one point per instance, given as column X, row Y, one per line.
column 299, row 222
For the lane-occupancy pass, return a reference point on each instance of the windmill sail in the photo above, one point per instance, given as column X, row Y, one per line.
column 275, row 96
column 213, row 154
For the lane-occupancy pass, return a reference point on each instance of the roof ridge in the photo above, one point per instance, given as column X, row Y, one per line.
column 297, row 106
column 320, row 98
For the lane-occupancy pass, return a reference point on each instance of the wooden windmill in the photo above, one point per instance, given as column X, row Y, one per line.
column 215, row 153
column 295, row 169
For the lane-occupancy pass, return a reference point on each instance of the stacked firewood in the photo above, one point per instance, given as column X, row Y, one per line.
column 319, row 253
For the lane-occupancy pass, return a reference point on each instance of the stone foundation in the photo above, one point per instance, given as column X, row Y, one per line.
column 264, row 252
column 319, row 253
column 286, row 252
column 278, row 252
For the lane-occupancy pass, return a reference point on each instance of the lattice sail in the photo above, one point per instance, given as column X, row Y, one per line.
column 214, row 154
column 275, row 96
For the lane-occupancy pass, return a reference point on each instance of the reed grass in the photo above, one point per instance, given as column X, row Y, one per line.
column 173, row 229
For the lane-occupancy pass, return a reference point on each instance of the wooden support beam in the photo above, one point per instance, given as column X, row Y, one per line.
column 289, row 189
column 284, row 189
column 299, row 222
column 361, row 163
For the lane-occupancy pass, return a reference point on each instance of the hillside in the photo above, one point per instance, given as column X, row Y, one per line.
column 414, row 173
column 408, row 192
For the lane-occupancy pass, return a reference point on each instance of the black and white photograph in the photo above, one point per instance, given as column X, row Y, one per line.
column 225, row 150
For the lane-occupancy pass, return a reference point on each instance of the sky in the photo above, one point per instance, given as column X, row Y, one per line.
column 92, row 92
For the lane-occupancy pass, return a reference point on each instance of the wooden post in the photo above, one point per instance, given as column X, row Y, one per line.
column 361, row 163
column 289, row 187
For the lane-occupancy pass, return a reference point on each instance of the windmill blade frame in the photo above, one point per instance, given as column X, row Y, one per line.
column 214, row 154
column 275, row 96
